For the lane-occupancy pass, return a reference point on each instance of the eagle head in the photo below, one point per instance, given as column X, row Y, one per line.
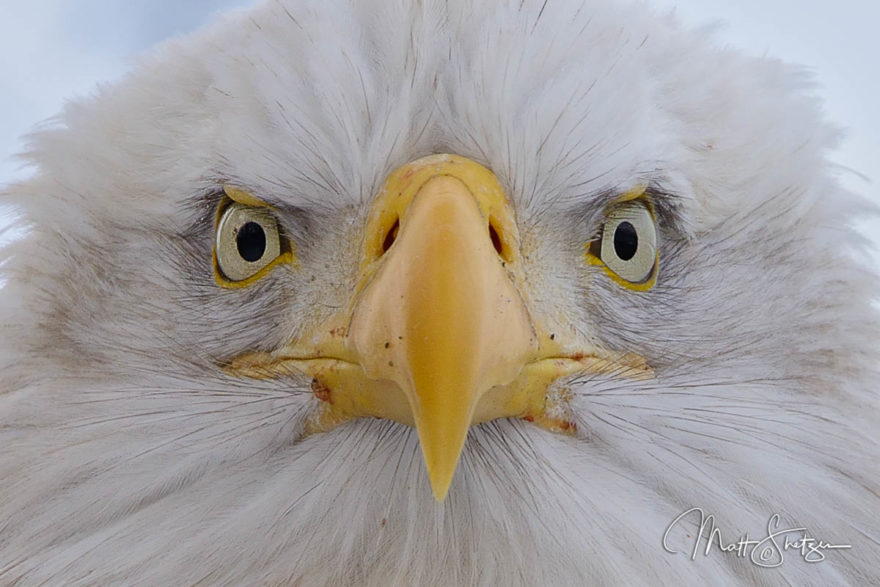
column 437, row 293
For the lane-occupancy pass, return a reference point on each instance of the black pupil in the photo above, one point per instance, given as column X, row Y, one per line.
column 251, row 241
column 626, row 241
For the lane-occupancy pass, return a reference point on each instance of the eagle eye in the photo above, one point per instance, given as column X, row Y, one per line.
column 246, row 244
column 627, row 245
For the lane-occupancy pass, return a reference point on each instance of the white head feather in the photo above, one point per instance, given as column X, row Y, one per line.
column 129, row 457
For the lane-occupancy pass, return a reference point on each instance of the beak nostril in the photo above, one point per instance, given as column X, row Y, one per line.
column 496, row 240
column 390, row 236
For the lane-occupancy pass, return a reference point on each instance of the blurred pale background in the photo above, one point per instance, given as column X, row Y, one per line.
column 56, row 49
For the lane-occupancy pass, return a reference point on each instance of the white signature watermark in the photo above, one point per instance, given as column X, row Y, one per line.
column 767, row 551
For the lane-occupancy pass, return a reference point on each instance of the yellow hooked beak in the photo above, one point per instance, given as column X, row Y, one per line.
column 446, row 304
column 438, row 334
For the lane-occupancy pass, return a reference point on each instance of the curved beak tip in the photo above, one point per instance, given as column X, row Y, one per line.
column 442, row 446
column 440, row 487
column 440, row 475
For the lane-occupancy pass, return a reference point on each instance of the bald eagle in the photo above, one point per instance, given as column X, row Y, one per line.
column 359, row 292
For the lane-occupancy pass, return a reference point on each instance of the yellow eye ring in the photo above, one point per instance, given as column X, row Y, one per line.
column 626, row 246
column 247, row 241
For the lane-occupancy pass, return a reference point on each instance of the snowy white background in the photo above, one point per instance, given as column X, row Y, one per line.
column 51, row 50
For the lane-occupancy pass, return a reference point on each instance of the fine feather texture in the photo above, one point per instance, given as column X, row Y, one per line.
column 128, row 456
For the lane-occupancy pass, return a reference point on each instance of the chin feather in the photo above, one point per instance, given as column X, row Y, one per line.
column 185, row 484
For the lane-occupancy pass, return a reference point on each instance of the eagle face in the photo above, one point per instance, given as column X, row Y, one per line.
column 436, row 293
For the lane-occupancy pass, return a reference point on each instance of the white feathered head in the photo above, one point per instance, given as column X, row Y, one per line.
column 366, row 292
